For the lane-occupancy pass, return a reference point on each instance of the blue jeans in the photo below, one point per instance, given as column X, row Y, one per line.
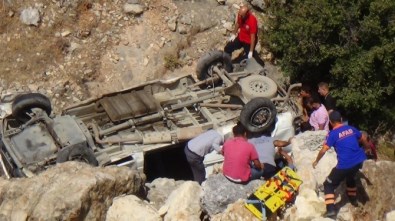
column 267, row 172
column 197, row 166
column 255, row 173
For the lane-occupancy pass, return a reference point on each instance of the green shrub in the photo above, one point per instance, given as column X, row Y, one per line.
column 350, row 44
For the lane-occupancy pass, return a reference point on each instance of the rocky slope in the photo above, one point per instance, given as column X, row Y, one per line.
column 74, row 49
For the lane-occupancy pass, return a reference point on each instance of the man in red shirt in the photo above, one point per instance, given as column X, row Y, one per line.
column 238, row 155
column 246, row 29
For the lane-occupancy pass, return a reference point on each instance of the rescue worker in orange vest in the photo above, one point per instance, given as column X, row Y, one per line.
column 350, row 156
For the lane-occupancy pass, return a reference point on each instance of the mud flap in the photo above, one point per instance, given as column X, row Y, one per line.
column 274, row 194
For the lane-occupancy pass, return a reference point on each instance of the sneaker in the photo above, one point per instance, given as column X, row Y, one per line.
column 330, row 214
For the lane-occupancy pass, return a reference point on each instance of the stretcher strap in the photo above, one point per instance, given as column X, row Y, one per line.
column 263, row 211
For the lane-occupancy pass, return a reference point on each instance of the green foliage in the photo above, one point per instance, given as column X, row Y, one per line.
column 350, row 44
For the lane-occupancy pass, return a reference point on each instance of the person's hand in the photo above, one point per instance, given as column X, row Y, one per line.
column 315, row 164
column 292, row 167
column 250, row 55
column 232, row 38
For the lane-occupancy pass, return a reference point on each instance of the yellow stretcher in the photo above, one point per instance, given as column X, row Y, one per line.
column 274, row 193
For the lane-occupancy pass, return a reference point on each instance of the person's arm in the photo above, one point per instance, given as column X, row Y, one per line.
column 330, row 104
column 236, row 30
column 287, row 157
column 365, row 144
column 320, row 155
column 253, row 40
column 281, row 143
column 222, row 150
column 258, row 164
column 217, row 144
column 322, row 119
column 254, row 157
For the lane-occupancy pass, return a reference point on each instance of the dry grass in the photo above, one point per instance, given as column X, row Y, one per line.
column 172, row 62
column 386, row 151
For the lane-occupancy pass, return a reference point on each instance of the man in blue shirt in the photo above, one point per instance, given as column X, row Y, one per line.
column 350, row 156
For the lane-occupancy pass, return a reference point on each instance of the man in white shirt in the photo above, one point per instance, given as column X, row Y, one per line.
column 266, row 145
column 198, row 147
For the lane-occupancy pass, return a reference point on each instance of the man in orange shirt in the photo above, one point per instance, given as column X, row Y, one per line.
column 246, row 29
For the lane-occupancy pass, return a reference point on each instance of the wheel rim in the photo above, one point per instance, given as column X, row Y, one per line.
column 258, row 86
column 260, row 117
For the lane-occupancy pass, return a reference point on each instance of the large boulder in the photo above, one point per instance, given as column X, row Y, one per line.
column 160, row 189
column 378, row 179
column 68, row 191
column 235, row 212
column 130, row 207
column 183, row 203
column 219, row 192
column 308, row 204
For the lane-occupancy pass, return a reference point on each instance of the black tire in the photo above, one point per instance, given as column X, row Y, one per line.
column 258, row 115
column 26, row 102
column 211, row 59
column 77, row 153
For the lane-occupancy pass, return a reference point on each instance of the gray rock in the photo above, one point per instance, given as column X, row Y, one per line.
column 183, row 203
column 160, row 189
column 228, row 26
column 172, row 23
column 235, row 212
column 65, row 33
column 73, row 46
column 378, row 180
column 186, row 20
column 219, row 192
column 182, row 29
column 258, row 3
column 33, row 87
column 30, row 16
column 221, row 2
column 134, row 9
